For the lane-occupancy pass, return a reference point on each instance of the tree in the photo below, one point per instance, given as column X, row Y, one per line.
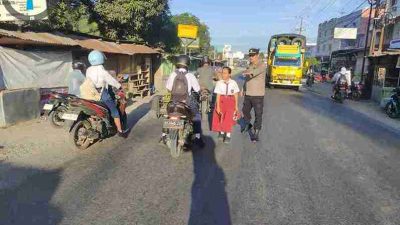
column 117, row 19
column 204, row 34
column 312, row 61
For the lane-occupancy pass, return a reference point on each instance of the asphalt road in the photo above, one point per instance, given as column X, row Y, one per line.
column 318, row 163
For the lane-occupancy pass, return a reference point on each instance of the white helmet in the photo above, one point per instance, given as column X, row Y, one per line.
column 343, row 70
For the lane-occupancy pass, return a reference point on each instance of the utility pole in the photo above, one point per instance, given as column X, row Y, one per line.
column 301, row 25
column 371, row 3
column 381, row 39
column 375, row 28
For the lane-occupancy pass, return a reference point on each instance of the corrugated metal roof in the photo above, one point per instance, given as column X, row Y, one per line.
column 75, row 40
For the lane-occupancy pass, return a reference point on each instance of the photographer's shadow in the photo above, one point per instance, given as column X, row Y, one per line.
column 209, row 203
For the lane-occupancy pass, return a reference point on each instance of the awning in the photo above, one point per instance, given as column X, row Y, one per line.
column 58, row 39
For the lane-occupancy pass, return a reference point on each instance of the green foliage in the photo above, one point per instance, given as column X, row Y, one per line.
column 147, row 21
column 312, row 61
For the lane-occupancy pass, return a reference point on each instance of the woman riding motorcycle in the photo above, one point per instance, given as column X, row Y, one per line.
column 101, row 79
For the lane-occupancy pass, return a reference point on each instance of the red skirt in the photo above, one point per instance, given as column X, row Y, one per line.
column 224, row 122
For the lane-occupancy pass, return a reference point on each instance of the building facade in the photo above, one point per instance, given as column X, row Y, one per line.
column 326, row 43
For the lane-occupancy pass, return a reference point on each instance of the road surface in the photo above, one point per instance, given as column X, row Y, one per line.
column 318, row 163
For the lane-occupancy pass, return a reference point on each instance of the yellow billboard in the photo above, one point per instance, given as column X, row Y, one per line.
column 187, row 31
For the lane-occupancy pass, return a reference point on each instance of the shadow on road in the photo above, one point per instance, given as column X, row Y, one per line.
column 360, row 123
column 29, row 203
column 209, row 199
column 136, row 115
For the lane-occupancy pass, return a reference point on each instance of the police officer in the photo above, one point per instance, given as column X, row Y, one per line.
column 254, row 91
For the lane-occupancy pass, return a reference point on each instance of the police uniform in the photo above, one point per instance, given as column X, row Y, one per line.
column 254, row 89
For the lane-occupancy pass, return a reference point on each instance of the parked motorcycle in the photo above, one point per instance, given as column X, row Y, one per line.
column 205, row 103
column 178, row 125
column 340, row 93
column 55, row 108
column 393, row 106
column 92, row 120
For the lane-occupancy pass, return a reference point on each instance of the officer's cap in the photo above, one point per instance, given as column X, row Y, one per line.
column 254, row 51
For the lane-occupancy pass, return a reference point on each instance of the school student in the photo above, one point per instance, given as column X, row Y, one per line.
column 226, row 106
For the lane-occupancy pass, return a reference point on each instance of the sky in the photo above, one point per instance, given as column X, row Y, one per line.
column 250, row 23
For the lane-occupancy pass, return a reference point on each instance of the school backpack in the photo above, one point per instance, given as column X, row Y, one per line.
column 180, row 87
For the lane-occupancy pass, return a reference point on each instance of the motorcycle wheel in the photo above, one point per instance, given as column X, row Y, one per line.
column 173, row 143
column 55, row 117
column 356, row 95
column 79, row 135
column 391, row 110
column 338, row 97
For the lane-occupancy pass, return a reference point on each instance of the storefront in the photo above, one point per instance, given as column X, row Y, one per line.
column 386, row 71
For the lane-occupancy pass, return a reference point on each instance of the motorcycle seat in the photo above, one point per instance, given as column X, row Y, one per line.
column 99, row 104
column 179, row 108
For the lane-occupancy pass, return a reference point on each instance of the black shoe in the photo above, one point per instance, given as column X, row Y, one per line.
column 199, row 142
column 227, row 140
column 246, row 128
column 221, row 137
column 256, row 135
column 122, row 134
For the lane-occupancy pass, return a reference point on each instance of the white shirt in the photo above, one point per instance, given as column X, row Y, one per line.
column 101, row 78
column 191, row 79
column 347, row 77
column 229, row 88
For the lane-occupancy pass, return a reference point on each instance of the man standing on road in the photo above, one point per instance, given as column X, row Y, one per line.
column 254, row 91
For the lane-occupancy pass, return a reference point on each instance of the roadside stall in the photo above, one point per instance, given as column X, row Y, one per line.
column 386, row 77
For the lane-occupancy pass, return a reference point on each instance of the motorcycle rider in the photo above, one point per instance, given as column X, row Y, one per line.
column 182, row 68
column 76, row 78
column 310, row 75
column 339, row 77
column 101, row 80
column 206, row 75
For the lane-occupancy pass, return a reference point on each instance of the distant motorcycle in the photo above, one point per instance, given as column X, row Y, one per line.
column 55, row 108
column 178, row 126
column 393, row 106
column 92, row 120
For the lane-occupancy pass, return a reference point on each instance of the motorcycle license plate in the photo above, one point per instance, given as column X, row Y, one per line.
column 68, row 116
column 48, row 107
column 173, row 124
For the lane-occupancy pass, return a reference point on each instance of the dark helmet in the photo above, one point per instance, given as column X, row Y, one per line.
column 206, row 60
column 78, row 65
column 183, row 61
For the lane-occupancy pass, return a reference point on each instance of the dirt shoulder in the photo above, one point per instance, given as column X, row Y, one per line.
column 36, row 144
